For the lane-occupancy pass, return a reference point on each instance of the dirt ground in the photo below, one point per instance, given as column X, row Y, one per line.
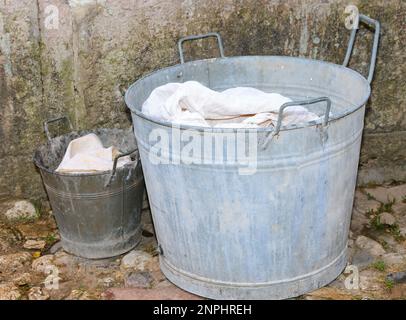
column 34, row 266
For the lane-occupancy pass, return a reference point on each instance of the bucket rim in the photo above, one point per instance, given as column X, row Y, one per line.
column 88, row 174
column 313, row 123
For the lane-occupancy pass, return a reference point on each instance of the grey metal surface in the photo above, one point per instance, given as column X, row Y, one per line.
column 98, row 214
column 282, row 231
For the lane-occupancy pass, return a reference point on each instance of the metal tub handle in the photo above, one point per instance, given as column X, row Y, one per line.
column 302, row 103
column 46, row 123
column 376, row 25
column 113, row 173
column 298, row 103
column 200, row 36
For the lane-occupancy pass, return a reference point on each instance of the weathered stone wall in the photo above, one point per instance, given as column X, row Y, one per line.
column 83, row 67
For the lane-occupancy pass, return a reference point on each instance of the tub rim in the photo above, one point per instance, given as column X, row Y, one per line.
column 313, row 123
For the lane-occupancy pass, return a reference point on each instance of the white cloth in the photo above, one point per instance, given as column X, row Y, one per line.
column 87, row 154
column 194, row 104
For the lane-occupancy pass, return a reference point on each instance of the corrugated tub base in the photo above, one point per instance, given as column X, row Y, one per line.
column 281, row 289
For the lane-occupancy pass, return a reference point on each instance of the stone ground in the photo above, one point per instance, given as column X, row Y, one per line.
column 34, row 266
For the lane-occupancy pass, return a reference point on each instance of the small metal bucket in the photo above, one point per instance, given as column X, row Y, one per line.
column 98, row 214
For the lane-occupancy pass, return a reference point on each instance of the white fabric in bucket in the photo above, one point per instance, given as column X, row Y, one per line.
column 87, row 154
column 192, row 103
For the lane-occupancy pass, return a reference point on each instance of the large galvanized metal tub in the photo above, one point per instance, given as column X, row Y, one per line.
column 98, row 214
column 276, row 233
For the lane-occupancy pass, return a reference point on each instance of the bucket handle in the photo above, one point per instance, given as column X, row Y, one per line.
column 113, row 173
column 298, row 103
column 302, row 103
column 376, row 25
column 47, row 122
column 200, row 36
